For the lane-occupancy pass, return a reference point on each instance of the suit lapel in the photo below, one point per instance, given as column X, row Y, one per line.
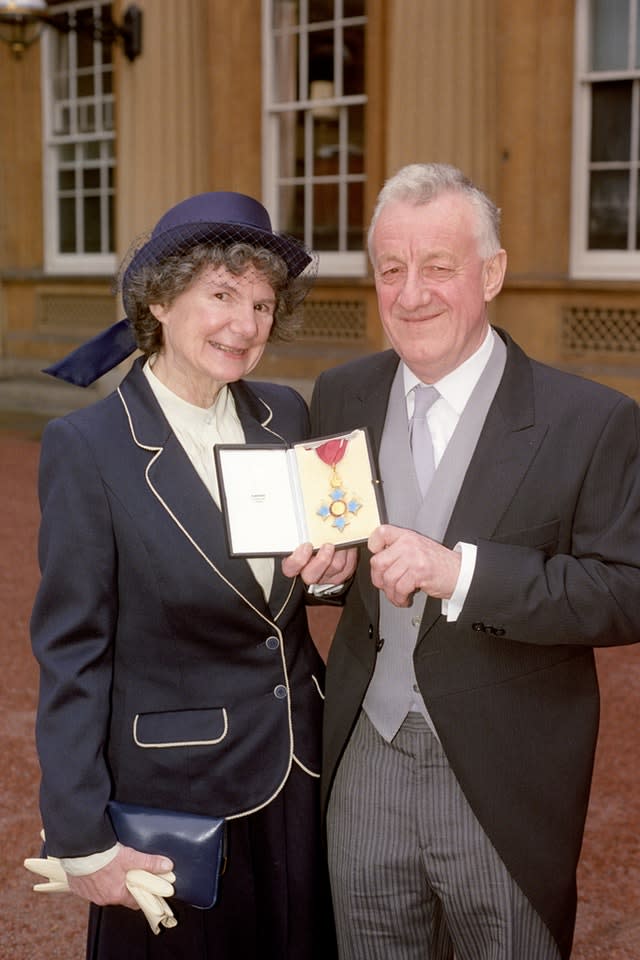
column 509, row 441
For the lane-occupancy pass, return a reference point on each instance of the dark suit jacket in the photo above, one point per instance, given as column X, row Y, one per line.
column 552, row 500
column 161, row 680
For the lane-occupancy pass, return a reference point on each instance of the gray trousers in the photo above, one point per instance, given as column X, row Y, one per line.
column 413, row 875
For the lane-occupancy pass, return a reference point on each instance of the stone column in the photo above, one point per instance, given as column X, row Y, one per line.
column 162, row 116
column 441, row 102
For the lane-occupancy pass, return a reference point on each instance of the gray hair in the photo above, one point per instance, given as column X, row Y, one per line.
column 419, row 183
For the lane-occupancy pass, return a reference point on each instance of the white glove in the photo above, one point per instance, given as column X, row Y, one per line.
column 147, row 889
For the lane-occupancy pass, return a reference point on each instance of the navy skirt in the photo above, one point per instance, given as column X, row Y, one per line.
column 274, row 899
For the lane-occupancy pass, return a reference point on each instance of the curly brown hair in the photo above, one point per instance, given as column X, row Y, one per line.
column 163, row 282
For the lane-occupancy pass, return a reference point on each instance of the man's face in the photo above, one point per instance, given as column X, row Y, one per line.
column 432, row 284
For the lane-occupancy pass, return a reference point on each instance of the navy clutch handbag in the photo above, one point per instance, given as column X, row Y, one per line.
column 196, row 844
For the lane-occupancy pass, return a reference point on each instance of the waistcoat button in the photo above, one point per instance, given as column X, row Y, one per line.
column 272, row 643
column 280, row 692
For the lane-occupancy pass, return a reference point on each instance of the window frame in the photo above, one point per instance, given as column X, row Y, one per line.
column 345, row 263
column 55, row 261
column 585, row 263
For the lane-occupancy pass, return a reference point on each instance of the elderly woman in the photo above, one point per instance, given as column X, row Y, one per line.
column 172, row 675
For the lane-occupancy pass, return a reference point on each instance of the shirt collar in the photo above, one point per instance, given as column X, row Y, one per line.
column 456, row 387
column 187, row 416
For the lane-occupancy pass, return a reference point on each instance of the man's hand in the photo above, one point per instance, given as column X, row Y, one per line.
column 328, row 565
column 404, row 561
column 107, row 886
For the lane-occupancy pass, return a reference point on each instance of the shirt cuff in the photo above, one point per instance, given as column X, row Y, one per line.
column 325, row 589
column 452, row 608
column 83, row 866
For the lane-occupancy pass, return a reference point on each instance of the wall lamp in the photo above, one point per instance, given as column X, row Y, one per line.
column 22, row 21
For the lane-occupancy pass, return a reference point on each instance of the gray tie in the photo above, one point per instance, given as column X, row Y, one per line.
column 420, row 435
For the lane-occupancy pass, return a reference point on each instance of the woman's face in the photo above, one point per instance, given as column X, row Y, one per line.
column 214, row 332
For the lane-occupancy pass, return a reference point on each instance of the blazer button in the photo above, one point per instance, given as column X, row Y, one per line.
column 498, row 631
column 272, row 643
column 380, row 644
column 280, row 692
column 480, row 627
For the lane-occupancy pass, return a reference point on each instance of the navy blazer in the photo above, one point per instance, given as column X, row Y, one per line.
column 551, row 497
column 166, row 678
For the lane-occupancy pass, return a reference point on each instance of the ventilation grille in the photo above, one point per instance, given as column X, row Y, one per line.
column 74, row 314
column 600, row 330
column 336, row 320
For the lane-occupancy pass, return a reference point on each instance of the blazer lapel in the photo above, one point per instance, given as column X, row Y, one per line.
column 177, row 487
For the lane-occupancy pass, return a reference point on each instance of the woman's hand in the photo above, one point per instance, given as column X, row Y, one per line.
column 327, row 566
column 107, row 886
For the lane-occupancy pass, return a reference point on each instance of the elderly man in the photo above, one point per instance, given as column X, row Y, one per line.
column 462, row 702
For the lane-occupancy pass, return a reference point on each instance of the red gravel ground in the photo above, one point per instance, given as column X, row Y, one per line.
column 39, row 926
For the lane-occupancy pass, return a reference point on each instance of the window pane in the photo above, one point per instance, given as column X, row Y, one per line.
column 91, row 208
column 353, row 60
column 609, row 34
column 356, row 238
column 608, row 210
column 86, row 117
column 354, row 8
column 291, row 206
column 325, row 216
column 111, row 237
column 91, row 179
column 61, row 120
column 326, row 154
column 321, row 10
column 611, row 121
column 356, row 139
column 61, row 86
column 66, row 180
column 85, row 85
column 321, row 45
column 84, row 41
column 67, row 224
column 290, row 150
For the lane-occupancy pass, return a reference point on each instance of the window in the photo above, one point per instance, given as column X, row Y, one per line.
column 314, row 125
column 606, row 164
column 79, row 143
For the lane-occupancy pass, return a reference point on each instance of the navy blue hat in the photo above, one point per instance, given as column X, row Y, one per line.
column 220, row 217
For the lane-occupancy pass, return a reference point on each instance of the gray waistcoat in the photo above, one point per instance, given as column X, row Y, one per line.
column 393, row 690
